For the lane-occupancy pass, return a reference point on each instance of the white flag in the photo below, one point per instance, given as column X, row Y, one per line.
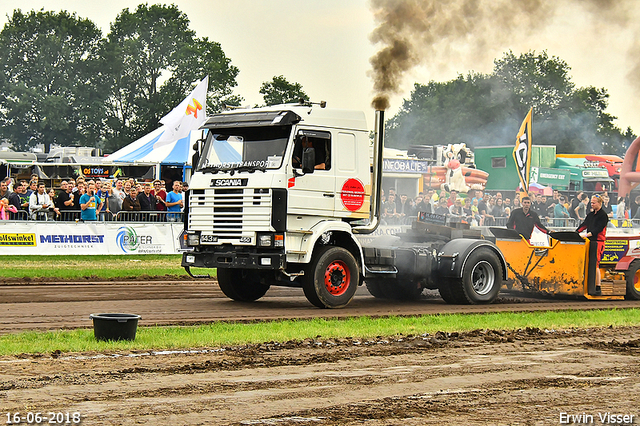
column 187, row 116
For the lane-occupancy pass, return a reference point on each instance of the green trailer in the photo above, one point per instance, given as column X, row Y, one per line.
column 546, row 169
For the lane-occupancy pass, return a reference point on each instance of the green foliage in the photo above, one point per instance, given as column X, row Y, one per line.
column 484, row 110
column 62, row 82
column 280, row 91
column 52, row 88
column 153, row 60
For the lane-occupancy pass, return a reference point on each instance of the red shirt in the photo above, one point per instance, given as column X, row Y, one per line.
column 161, row 194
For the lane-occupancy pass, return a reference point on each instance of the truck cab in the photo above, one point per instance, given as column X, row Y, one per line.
column 278, row 196
column 585, row 175
column 270, row 185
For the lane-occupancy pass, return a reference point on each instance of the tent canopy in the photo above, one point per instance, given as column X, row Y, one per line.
column 149, row 149
column 536, row 188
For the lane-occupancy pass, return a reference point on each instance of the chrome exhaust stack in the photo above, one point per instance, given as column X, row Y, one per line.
column 376, row 180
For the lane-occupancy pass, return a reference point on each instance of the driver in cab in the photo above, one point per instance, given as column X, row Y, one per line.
column 301, row 146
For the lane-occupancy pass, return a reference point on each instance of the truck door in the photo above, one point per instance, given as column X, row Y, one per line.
column 352, row 173
column 314, row 193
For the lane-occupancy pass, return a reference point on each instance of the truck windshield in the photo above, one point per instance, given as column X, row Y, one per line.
column 249, row 148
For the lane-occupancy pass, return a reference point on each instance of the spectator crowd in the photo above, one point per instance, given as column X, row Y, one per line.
column 129, row 200
column 483, row 209
column 91, row 200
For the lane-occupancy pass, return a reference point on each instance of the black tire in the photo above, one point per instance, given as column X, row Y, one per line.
column 242, row 285
column 633, row 281
column 332, row 278
column 394, row 289
column 481, row 279
column 375, row 287
column 447, row 295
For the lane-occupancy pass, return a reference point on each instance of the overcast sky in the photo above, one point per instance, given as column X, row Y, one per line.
column 324, row 45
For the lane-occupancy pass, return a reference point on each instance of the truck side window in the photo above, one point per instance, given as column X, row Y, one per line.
column 322, row 149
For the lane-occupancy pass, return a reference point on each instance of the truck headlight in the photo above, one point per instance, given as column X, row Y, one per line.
column 193, row 240
column 265, row 240
column 271, row 240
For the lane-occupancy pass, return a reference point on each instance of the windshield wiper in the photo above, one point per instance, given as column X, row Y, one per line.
column 211, row 169
column 250, row 169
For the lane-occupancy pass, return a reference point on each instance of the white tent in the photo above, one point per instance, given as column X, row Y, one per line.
column 171, row 144
column 148, row 149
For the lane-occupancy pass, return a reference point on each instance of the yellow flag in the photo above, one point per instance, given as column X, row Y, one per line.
column 522, row 151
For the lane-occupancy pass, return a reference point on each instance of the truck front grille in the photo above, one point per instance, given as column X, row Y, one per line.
column 230, row 213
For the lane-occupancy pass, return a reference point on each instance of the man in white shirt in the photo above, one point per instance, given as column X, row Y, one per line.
column 119, row 193
column 39, row 203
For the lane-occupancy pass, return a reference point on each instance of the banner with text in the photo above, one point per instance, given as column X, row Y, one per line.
column 54, row 238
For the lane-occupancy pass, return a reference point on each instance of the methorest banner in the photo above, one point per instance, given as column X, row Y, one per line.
column 55, row 238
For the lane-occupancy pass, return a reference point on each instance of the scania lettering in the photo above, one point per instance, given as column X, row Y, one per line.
column 230, row 182
column 309, row 195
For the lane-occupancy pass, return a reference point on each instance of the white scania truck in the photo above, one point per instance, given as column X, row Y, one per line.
column 279, row 195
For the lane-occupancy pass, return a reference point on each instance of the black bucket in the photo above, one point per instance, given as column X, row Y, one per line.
column 115, row 326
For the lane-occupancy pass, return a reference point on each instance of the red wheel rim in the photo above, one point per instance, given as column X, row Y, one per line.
column 636, row 280
column 337, row 278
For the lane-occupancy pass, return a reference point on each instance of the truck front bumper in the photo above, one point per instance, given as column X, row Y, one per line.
column 246, row 259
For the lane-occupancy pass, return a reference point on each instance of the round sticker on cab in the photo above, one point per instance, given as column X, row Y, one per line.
column 352, row 194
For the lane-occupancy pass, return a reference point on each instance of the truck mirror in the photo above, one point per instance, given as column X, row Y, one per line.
column 308, row 160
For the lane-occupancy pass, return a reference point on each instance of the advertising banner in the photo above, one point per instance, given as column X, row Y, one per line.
column 55, row 238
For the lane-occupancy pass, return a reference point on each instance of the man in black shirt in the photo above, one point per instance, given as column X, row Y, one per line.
column 63, row 201
column 523, row 219
column 594, row 227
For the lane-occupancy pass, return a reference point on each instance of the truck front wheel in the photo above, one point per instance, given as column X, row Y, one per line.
column 331, row 278
column 633, row 281
column 241, row 285
column 481, row 279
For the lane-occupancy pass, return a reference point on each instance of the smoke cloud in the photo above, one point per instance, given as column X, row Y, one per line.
column 436, row 33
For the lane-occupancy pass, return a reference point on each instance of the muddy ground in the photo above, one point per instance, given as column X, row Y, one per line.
column 57, row 305
column 527, row 377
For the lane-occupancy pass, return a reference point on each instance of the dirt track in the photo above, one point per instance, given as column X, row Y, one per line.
column 484, row 377
column 529, row 377
column 68, row 305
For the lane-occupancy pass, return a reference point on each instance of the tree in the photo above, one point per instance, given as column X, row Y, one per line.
column 483, row 110
column 51, row 84
column 154, row 58
column 280, row 91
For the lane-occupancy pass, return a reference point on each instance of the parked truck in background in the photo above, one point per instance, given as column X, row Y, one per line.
column 566, row 172
column 279, row 196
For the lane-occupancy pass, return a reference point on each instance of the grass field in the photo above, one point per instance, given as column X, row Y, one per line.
column 77, row 267
column 223, row 333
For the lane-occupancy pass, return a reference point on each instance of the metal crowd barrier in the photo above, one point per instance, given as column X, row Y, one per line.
column 19, row 215
column 500, row 221
column 562, row 222
column 142, row 216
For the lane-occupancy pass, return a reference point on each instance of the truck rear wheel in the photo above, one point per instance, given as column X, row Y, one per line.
column 633, row 281
column 241, row 285
column 481, row 279
column 331, row 278
column 447, row 295
column 392, row 288
column 376, row 288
